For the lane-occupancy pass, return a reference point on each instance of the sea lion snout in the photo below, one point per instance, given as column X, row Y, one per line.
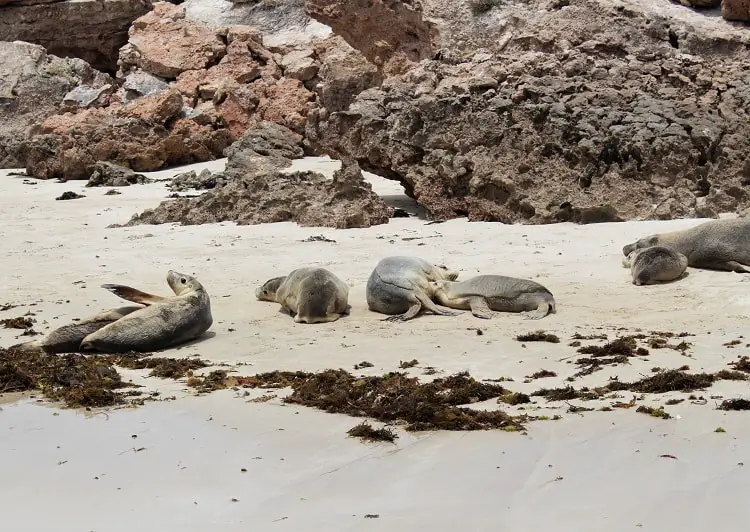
column 627, row 250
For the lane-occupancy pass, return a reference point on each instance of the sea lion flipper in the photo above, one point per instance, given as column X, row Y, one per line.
column 542, row 310
column 132, row 294
column 435, row 309
column 480, row 309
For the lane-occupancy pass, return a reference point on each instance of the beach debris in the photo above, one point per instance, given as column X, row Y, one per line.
column 538, row 336
column 363, row 364
column 69, row 195
column 410, row 364
column 367, row 432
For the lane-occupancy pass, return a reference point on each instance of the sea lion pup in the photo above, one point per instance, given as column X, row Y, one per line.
column 163, row 322
column 714, row 245
column 309, row 294
column 484, row 294
column 68, row 338
column 400, row 286
column 655, row 264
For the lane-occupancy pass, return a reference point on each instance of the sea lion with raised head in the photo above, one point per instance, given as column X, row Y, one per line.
column 722, row 244
column 484, row 294
column 309, row 294
column 68, row 338
column 399, row 286
column 163, row 322
column 655, row 264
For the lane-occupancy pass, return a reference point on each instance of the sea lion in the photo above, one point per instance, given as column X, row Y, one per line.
column 655, row 264
column 68, row 338
column 714, row 245
column 309, row 294
column 163, row 322
column 400, row 286
column 484, row 294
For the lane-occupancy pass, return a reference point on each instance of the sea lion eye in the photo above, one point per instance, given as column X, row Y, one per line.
column 183, row 280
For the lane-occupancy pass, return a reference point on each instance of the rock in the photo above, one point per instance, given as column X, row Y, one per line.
column 188, row 92
column 92, row 30
column 736, row 10
column 85, row 96
column 343, row 74
column 33, row 84
column 594, row 112
column 206, row 180
column 164, row 44
column 300, row 64
column 139, row 83
column 105, row 174
column 258, row 190
column 392, row 34
column 144, row 135
column 701, row 3
column 281, row 23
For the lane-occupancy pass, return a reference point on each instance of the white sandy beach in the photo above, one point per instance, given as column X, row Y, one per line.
column 67, row 470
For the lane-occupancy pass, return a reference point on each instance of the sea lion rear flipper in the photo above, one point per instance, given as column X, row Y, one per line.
column 132, row 294
column 480, row 309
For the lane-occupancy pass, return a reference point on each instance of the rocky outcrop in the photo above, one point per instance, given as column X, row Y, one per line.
column 33, row 85
column 187, row 92
column 736, row 10
column 92, row 30
column 583, row 110
column 392, row 34
column 281, row 23
column 256, row 189
column 144, row 135
column 343, row 73
column 105, row 174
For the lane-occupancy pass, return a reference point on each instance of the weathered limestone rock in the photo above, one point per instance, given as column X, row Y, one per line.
column 255, row 189
column 92, row 30
column 33, row 85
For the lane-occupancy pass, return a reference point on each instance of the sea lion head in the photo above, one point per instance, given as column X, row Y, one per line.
column 267, row 291
column 446, row 272
column 181, row 283
column 647, row 242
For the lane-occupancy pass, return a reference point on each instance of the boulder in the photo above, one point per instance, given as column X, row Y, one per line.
column 255, row 189
column 33, row 85
column 735, row 10
column 143, row 135
column 106, row 174
column 281, row 23
column 392, row 34
column 92, row 30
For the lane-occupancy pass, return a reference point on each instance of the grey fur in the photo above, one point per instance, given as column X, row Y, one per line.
column 309, row 294
column 166, row 322
column 655, row 264
column 714, row 245
column 399, row 286
column 486, row 293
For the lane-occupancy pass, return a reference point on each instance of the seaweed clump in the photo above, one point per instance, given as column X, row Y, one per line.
column 393, row 397
column 366, row 432
column 165, row 368
column 21, row 322
column 74, row 379
column 666, row 381
column 655, row 412
column 538, row 336
column 735, row 404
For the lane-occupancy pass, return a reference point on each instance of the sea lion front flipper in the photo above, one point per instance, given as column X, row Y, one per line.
column 480, row 309
column 132, row 294
column 432, row 307
column 542, row 310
